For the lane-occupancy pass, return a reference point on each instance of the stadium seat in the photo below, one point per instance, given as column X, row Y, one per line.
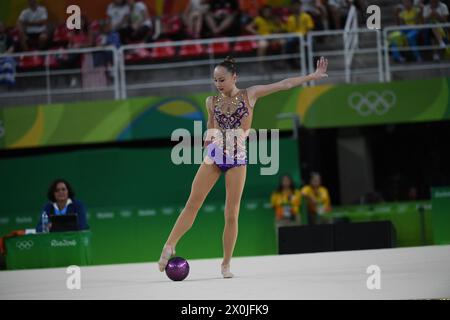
column 219, row 48
column 31, row 62
column 53, row 61
column 245, row 46
column 192, row 51
column 163, row 52
column 274, row 46
column 61, row 35
column 138, row 55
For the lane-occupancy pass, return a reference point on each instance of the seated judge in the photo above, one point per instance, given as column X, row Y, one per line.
column 62, row 202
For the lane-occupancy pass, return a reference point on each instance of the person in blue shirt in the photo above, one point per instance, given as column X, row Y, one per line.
column 62, row 202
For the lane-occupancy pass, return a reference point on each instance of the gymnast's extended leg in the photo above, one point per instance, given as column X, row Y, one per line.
column 207, row 175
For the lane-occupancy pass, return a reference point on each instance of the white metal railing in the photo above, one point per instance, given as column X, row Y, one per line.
column 207, row 59
column 387, row 49
column 350, row 40
column 44, row 71
column 378, row 47
column 346, row 72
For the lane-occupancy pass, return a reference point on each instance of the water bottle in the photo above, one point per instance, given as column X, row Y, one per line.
column 44, row 222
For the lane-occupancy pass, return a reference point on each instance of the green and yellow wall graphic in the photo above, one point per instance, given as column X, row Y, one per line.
column 156, row 117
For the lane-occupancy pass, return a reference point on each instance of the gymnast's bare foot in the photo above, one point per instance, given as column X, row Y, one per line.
column 167, row 253
column 226, row 271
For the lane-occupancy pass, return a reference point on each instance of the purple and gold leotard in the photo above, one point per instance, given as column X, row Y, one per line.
column 232, row 119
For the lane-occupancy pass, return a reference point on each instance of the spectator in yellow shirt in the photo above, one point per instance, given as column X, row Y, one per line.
column 286, row 201
column 301, row 23
column 249, row 10
column 408, row 14
column 317, row 197
column 265, row 24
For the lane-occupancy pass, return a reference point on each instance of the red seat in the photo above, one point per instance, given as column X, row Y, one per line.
column 61, row 35
column 245, row 46
column 163, row 52
column 31, row 62
column 138, row 55
column 218, row 48
column 275, row 46
column 192, row 50
column 53, row 61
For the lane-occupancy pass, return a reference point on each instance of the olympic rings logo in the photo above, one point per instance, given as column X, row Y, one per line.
column 372, row 102
column 24, row 245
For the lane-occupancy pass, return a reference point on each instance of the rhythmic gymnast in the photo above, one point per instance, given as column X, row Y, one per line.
column 232, row 109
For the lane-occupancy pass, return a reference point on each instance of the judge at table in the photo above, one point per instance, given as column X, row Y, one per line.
column 62, row 202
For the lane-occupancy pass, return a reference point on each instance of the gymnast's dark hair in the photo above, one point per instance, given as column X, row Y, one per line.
column 230, row 64
column 52, row 189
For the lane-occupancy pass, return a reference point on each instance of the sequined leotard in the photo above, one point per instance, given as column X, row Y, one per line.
column 232, row 119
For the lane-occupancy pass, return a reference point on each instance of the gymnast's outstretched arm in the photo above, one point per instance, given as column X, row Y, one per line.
column 256, row 92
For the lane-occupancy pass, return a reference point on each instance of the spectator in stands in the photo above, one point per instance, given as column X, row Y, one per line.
column 77, row 39
column 410, row 15
column 264, row 24
column 300, row 22
column 286, row 201
column 94, row 31
column 340, row 8
column 249, row 10
column 251, row 7
column 118, row 13
column 437, row 12
column 107, row 37
column 317, row 11
column 62, row 202
column 7, row 64
column 317, row 199
column 6, row 43
column 32, row 26
column 193, row 17
column 140, row 22
column 93, row 64
column 400, row 7
column 222, row 18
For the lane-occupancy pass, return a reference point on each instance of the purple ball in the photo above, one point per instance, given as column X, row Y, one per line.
column 177, row 269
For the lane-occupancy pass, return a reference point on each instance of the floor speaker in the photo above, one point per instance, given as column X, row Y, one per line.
column 364, row 235
column 305, row 239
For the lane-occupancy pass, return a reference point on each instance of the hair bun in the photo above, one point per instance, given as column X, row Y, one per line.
column 228, row 64
column 229, row 59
